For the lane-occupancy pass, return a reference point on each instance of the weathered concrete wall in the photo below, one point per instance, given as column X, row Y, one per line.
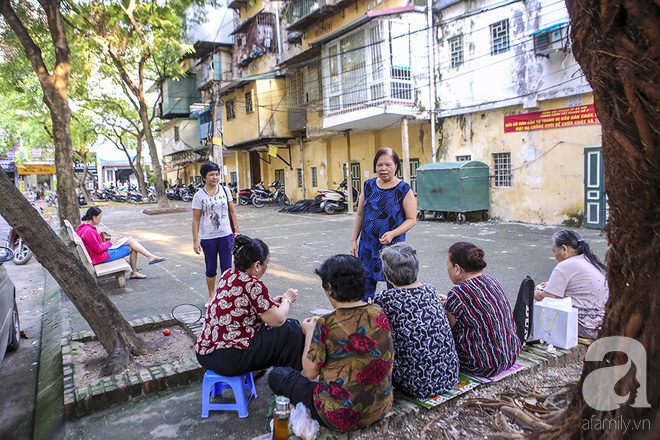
column 547, row 178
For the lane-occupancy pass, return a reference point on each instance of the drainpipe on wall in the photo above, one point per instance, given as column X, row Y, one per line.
column 302, row 166
column 279, row 33
column 431, row 58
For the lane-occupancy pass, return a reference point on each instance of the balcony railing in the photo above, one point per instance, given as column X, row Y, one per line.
column 301, row 14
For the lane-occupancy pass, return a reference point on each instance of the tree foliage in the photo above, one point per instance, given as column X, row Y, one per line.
column 139, row 42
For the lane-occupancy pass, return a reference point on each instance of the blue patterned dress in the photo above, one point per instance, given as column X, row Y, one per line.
column 383, row 212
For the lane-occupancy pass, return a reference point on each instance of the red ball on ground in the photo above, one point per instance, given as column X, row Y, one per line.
column 167, row 332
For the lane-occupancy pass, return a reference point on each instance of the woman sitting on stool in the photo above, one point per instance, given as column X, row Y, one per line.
column 245, row 329
column 102, row 252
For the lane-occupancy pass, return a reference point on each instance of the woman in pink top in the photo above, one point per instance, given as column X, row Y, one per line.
column 580, row 275
column 102, row 251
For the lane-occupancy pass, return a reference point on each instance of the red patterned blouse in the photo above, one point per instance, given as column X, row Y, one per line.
column 233, row 316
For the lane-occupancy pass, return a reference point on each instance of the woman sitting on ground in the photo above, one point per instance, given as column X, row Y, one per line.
column 425, row 361
column 245, row 329
column 101, row 251
column 350, row 350
column 479, row 314
column 580, row 275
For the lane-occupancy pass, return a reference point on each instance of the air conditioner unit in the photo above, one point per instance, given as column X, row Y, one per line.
column 550, row 41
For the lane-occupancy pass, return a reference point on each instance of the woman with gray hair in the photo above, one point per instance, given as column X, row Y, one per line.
column 425, row 361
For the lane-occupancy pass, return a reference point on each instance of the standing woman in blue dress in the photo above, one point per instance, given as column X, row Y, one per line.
column 387, row 209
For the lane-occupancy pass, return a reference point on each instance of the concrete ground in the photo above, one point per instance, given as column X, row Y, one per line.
column 18, row 373
column 298, row 243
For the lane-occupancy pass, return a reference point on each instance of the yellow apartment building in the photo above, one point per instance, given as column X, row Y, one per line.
column 337, row 80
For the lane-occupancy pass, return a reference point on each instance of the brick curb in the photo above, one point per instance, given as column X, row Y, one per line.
column 532, row 357
column 49, row 411
column 108, row 391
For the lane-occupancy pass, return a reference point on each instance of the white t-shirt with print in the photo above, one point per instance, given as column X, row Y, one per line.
column 214, row 221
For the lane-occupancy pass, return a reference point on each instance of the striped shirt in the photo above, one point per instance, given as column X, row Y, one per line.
column 485, row 333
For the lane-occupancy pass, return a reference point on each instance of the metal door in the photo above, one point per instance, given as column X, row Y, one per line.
column 595, row 200
column 355, row 175
column 414, row 164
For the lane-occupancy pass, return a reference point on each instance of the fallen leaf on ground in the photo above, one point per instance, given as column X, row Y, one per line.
column 23, row 335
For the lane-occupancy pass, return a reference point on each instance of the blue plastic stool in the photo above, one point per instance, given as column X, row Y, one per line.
column 213, row 384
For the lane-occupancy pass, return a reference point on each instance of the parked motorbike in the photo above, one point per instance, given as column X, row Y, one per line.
column 22, row 253
column 333, row 201
column 133, row 195
column 245, row 195
column 151, row 194
column 117, row 196
column 51, row 200
column 260, row 197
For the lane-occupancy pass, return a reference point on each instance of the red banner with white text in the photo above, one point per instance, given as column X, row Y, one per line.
column 562, row 117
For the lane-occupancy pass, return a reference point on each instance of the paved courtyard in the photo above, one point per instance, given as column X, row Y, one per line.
column 298, row 243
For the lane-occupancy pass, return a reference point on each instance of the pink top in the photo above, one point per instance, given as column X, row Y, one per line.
column 578, row 279
column 96, row 247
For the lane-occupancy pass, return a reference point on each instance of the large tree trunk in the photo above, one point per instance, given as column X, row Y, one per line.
column 155, row 161
column 55, row 88
column 112, row 330
column 617, row 44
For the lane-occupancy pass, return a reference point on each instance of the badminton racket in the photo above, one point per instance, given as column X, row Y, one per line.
column 187, row 313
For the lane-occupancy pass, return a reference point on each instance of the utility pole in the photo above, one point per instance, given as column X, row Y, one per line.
column 405, row 150
column 349, row 176
column 431, row 59
column 216, row 122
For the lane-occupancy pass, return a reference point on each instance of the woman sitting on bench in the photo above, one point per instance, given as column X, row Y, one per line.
column 101, row 251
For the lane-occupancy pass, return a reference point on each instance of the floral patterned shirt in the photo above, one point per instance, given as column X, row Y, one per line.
column 353, row 349
column 233, row 316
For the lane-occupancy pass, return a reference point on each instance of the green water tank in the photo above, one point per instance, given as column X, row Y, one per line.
column 453, row 187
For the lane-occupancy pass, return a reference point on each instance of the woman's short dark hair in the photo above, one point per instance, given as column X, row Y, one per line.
column 574, row 240
column 248, row 251
column 207, row 167
column 92, row 211
column 400, row 263
column 468, row 256
column 344, row 275
column 390, row 152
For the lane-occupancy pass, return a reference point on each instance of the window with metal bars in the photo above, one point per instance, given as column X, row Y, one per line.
column 499, row 33
column 464, row 158
column 314, row 176
column 299, row 174
column 248, row 102
column 456, row 50
column 502, row 168
column 230, row 109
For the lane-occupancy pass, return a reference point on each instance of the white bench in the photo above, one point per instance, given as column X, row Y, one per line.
column 117, row 268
